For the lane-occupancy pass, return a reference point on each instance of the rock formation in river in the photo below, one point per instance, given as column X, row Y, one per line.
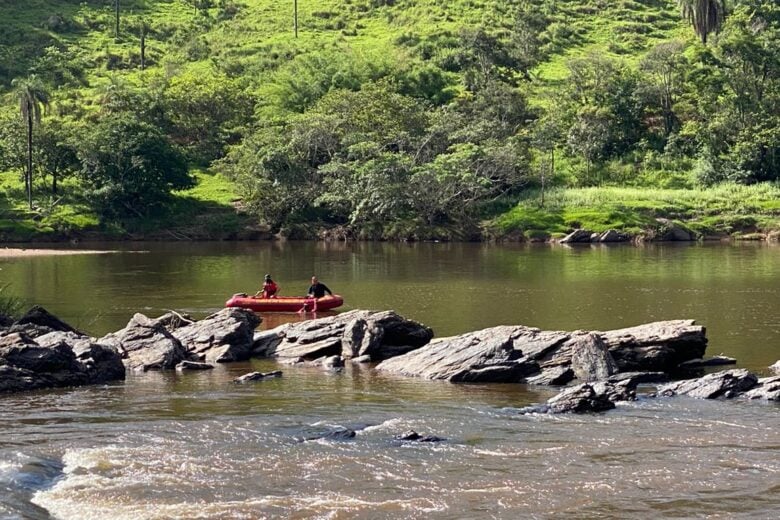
column 360, row 334
column 165, row 342
column 524, row 354
column 40, row 351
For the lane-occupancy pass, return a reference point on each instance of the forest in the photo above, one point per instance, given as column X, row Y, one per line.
column 388, row 119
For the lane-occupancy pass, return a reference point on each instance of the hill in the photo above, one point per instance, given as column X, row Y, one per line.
column 383, row 118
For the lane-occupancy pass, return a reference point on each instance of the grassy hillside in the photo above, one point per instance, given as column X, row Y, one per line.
column 244, row 50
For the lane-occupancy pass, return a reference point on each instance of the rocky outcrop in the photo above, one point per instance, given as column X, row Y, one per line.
column 38, row 321
column 525, row 354
column 659, row 346
column 671, row 231
column 26, row 364
column 145, row 344
column 488, row 355
column 227, row 335
column 726, row 384
column 577, row 236
column 353, row 334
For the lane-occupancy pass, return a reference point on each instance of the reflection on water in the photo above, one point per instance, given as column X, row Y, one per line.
column 196, row 445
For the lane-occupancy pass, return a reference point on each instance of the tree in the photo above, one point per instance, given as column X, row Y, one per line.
column 664, row 67
column 129, row 167
column 706, row 16
column 32, row 97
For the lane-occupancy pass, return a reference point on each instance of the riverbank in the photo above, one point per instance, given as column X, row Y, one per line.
column 213, row 211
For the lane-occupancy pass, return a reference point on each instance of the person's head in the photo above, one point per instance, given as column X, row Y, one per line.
column 314, row 280
column 268, row 278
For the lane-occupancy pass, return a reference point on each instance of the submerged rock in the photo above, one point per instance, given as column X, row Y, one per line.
column 726, row 384
column 709, row 362
column 258, row 376
column 413, row 436
column 193, row 365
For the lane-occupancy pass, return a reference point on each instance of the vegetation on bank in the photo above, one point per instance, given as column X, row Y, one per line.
column 387, row 118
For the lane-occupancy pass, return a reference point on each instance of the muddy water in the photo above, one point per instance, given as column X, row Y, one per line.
column 197, row 446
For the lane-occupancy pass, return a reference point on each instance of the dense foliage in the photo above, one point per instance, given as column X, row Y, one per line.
column 391, row 118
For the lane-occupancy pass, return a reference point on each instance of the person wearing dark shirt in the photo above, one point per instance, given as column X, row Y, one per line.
column 316, row 290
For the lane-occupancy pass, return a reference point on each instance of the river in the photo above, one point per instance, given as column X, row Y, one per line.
column 166, row 445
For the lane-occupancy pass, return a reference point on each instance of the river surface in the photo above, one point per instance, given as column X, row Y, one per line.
column 167, row 445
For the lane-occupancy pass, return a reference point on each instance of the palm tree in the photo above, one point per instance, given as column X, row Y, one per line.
column 706, row 16
column 32, row 96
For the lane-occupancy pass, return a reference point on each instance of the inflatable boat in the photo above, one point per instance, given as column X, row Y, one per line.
column 284, row 303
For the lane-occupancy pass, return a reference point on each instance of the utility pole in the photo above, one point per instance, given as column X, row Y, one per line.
column 295, row 17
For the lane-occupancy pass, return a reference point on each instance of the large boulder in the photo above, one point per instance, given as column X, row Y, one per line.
column 26, row 364
column 590, row 359
column 38, row 321
column 102, row 363
column 488, row 355
column 577, row 236
column 658, row 346
column 726, row 384
column 146, row 344
column 227, row 335
column 671, row 231
column 353, row 334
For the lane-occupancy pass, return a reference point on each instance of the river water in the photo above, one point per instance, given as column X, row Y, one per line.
column 167, row 445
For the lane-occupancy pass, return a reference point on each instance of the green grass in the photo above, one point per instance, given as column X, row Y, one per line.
column 722, row 209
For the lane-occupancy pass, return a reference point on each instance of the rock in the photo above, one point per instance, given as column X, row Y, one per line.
column 146, row 345
column 659, row 346
column 671, row 231
column 591, row 360
column 267, row 341
column 709, row 362
column 517, row 353
column 775, row 368
column 413, row 436
column 773, row 236
column 333, row 362
column 38, row 321
column 767, row 388
column 555, row 376
column 193, row 365
column 258, row 376
column 612, row 235
column 227, row 335
column 28, row 365
column 638, row 378
column 577, row 236
column 727, row 384
column 483, row 356
column 360, row 360
column 351, row 334
column 339, row 434
column 581, row 399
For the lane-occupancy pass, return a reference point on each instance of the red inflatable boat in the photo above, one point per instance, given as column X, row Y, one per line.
column 284, row 303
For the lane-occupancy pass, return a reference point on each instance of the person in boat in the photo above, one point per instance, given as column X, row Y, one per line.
column 316, row 290
column 270, row 289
